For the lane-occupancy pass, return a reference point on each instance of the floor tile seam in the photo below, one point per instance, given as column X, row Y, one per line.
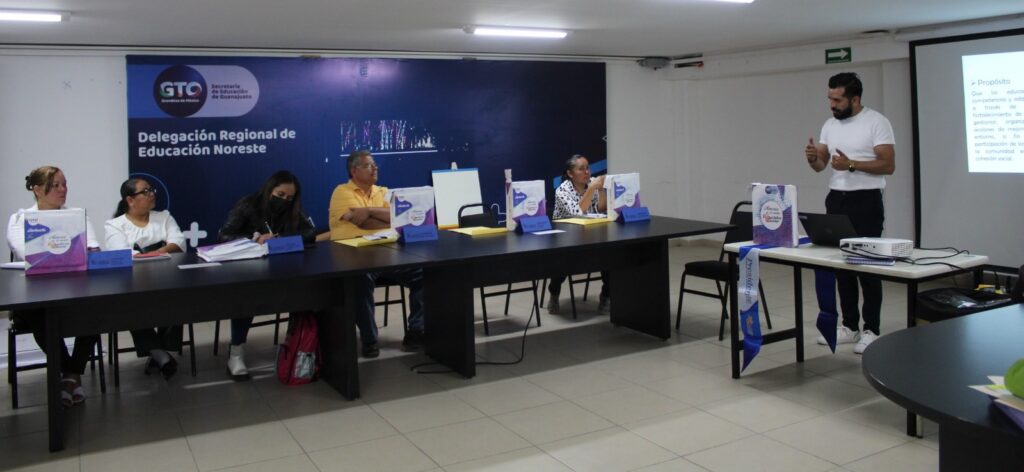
column 616, row 427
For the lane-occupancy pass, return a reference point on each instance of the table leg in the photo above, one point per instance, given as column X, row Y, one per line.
column 914, row 424
column 734, row 317
column 798, row 297
column 54, row 408
column 449, row 335
column 640, row 291
column 337, row 331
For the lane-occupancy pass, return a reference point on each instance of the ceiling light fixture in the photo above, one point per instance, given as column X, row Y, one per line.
column 34, row 15
column 736, row 1
column 515, row 32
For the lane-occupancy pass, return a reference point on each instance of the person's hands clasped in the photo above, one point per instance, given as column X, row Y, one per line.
column 597, row 183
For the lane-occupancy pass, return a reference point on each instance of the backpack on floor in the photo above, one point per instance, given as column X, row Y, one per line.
column 298, row 357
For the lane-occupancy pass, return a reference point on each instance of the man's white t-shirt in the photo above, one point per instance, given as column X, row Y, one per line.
column 857, row 137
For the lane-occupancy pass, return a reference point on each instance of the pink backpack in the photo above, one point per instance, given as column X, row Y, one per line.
column 298, row 358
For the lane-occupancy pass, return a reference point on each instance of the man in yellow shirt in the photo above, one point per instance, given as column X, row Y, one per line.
column 357, row 208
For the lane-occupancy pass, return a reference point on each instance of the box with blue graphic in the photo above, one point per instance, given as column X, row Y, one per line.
column 55, row 241
column 524, row 200
column 623, row 191
column 774, row 212
column 412, row 209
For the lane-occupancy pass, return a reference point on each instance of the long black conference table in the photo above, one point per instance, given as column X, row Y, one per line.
column 159, row 293
column 927, row 370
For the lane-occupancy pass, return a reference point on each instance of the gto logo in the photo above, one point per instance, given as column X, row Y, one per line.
column 180, row 89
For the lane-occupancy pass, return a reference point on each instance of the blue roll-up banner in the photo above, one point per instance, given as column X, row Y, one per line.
column 206, row 131
column 828, row 317
column 747, row 296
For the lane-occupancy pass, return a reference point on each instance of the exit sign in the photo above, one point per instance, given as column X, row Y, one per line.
column 837, row 55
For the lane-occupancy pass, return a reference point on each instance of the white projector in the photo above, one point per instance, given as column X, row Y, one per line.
column 877, row 247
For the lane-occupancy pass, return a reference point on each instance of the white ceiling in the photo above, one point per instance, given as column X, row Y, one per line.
column 598, row 27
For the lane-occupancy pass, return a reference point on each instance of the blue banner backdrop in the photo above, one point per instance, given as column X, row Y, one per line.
column 209, row 130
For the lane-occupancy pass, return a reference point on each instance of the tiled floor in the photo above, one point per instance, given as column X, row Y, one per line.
column 588, row 396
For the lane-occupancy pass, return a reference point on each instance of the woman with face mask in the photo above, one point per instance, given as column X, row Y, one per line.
column 137, row 227
column 276, row 210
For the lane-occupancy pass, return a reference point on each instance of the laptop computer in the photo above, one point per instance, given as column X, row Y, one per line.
column 827, row 230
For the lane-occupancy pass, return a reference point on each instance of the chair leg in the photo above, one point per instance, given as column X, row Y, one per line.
column 586, row 287
column 192, row 348
column 99, row 355
column 536, row 306
column 483, row 309
column 113, row 347
column 764, row 303
column 277, row 327
column 405, row 312
column 543, row 290
column 725, row 310
column 111, row 353
column 387, row 298
column 572, row 298
column 508, row 296
column 216, row 336
column 12, row 363
column 679, row 305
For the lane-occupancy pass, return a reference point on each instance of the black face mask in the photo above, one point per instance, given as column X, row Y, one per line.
column 278, row 205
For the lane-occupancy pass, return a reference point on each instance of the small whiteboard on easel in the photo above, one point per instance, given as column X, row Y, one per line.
column 453, row 189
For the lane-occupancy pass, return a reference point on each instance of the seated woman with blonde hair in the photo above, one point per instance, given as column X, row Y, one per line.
column 50, row 189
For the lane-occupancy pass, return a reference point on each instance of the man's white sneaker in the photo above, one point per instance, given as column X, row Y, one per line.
column 866, row 338
column 844, row 335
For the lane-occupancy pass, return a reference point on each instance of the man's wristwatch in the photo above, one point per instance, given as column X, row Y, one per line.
column 853, row 167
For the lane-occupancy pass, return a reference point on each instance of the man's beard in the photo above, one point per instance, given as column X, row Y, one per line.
column 842, row 114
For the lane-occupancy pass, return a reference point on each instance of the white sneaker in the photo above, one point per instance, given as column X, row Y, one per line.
column 236, row 363
column 844, row 335
column 866, row 338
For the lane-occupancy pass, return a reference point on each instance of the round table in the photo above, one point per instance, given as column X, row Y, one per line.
column 928, row 369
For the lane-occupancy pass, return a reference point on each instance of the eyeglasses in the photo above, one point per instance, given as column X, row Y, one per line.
column 368, row 166
column 147, row 190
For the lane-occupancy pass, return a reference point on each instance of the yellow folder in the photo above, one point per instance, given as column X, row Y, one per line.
column 361, row 241
column 480, row 230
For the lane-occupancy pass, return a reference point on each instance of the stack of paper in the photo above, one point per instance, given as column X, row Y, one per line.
column 1007, row 402
column 232, row 251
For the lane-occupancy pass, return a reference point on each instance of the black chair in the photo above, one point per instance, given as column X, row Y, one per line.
column 719, row 270
column 387, row 283
column 279, row 319
column 13, row 368
column 113, row 353
column 486, row 218
column 573, row 280
column 276, row 322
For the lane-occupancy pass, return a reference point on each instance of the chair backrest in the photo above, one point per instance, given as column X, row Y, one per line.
column 743, row 226
column 477, row 219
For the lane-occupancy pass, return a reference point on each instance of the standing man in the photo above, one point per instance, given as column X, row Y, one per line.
column 858, row 143
column 357, row 208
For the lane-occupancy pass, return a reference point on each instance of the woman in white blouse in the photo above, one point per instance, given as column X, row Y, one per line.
column 578, row 195
column 137, row 227
column 50, row 189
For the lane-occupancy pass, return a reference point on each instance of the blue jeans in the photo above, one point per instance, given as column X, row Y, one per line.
column 411, row 279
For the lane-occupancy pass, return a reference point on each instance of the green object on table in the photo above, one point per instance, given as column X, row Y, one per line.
column 1014, row 378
